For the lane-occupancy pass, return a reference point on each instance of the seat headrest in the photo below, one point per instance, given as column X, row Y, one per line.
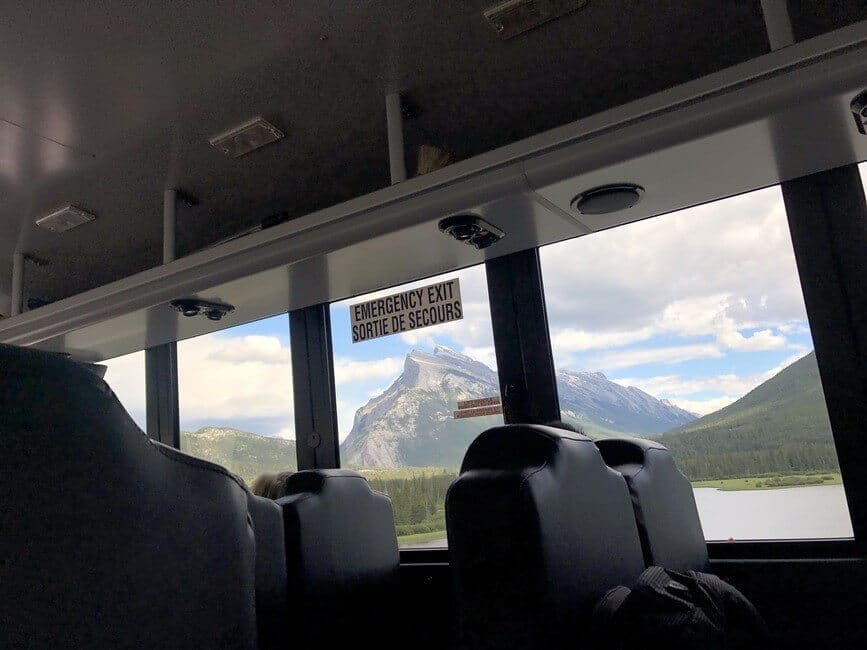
column 515, row 446
column 663, row 503
column 315, row 481
column 627, row 454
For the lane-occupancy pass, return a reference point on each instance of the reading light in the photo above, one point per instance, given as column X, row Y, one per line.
column 191, row 307
column 471, row 230
column 65, row 219
column 608, row 198
column 247, row 137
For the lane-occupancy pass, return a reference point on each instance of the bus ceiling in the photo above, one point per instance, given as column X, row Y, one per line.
column 330, row 203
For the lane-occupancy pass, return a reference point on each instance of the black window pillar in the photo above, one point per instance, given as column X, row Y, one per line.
column 161, row 380
column 317, row 445
column 523, row 345
column 828, row 220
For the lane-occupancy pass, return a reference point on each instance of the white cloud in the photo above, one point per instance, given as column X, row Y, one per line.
column 636, row 357
column 693, row 316
column 347, row 370
column 345, row 419
column 686, row 390
column 287, row 433
column 486, row 354
column 573, row 340
column 223, row 378
column 703, row 406
column 763, row 340
column 265, row 349
column 673, row 386
column 126, row 376
column 679, row 272
column 419, row 338
column 794, row 328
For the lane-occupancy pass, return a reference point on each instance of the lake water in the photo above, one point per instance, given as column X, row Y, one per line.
column 813, row 512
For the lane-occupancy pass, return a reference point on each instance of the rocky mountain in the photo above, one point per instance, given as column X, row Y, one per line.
column 411, row 423
column 241, row 452
column 602, row 407
column 779, row 426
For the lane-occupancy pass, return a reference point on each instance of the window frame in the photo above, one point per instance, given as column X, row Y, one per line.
column 827, row 217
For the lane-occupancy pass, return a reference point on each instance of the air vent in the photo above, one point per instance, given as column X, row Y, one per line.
column 65, row 219
column 515, row 17
column 247, row 137
column 608, row 198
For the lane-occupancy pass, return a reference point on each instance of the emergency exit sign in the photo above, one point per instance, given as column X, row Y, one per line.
column 406, row 311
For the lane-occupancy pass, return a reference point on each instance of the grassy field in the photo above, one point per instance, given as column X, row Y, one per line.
column 772, row 482
column 392, row 473
column 409, row 540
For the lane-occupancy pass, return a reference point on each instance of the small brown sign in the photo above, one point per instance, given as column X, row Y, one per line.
column 478, row 412
column 476, row 403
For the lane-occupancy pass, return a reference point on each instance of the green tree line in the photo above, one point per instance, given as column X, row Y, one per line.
column 418, row 500
column 787, row 459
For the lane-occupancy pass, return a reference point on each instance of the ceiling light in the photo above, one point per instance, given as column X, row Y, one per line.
column 246, row 137
column 608, row 198
column 65, row 219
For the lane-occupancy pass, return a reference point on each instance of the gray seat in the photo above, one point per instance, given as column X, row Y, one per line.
column 342, row 557
column 663, row 502
column 108, row 539
column 272, row 597
column 539, row 527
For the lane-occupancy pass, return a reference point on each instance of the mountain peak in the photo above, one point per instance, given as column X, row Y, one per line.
column 412, row 422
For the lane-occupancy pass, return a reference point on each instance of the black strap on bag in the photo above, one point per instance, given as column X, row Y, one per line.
column 665, row 609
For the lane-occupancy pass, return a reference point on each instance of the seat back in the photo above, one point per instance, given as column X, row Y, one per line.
column 538, row 527
column 110, row 540
column 663, row 502
column 342, row 556
column 272, row 596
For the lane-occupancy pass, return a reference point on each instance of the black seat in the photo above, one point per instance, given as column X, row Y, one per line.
column 108, row 539
column 663, row 502
column 539, row 527
column 342, row 557
column 272, row 597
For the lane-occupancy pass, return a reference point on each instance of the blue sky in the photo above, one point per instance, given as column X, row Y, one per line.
column 698, row 307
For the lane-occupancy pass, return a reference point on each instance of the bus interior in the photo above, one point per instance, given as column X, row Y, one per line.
column 469, row 274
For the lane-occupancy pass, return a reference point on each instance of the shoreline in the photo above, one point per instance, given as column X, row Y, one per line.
column 771, row 482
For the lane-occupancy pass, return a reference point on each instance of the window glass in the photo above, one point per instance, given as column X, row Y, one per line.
column 235, row 398
column 126, row 377
column 396, row 400
column 690, row 328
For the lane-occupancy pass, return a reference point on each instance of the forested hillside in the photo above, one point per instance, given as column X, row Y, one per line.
column 780, row 426
column 242, row 453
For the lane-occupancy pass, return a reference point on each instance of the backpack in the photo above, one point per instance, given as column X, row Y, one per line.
column 678, row 611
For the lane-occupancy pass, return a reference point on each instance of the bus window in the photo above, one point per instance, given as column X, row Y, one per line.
column 126, row 377
column 398, row 393
column 235, row 398
column 690, row 328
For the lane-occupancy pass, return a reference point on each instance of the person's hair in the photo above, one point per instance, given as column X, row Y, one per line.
column 279, row 487
column 271, row 485
column 559, row 424
column 263, row 484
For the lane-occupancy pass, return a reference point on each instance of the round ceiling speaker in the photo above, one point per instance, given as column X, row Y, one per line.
column 608, row 198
